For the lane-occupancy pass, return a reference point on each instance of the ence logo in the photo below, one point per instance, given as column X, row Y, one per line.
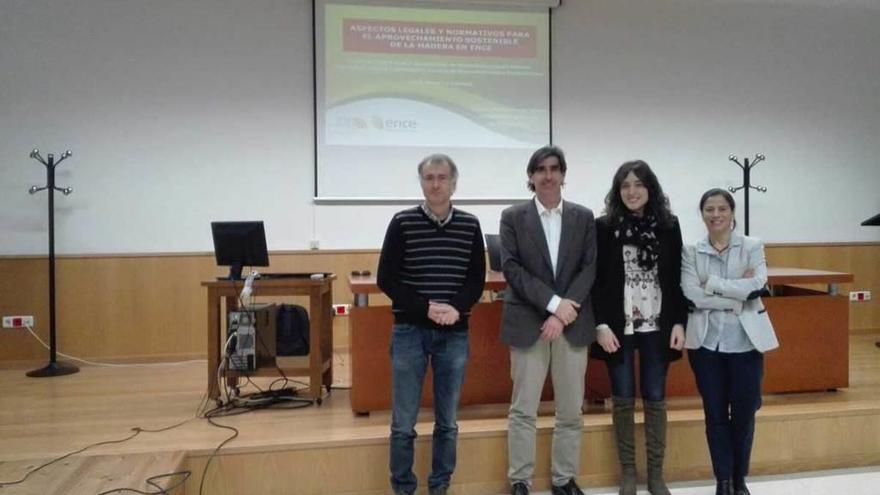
column 394, row 124
column 351, row 123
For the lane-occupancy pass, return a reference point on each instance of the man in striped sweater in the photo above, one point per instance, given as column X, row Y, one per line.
column 433, row 268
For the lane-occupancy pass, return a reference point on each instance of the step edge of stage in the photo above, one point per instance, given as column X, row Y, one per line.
column 495, row 427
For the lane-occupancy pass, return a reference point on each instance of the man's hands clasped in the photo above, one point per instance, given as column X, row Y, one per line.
column 565, row 314
column 567, row 311
column 442, row 313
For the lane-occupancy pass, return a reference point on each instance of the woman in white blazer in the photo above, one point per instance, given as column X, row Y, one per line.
column 728, row 332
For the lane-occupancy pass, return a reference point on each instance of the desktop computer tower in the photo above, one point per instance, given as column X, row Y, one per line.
column 253, row 347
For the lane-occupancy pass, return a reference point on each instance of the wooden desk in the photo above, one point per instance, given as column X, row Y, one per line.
column 317, row 365
column 812, row 327
column 813, row 331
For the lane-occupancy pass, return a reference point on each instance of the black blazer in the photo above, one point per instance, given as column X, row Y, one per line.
column 607, row 295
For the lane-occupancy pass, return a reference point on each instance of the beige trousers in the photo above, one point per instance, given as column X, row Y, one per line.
column 528, row 369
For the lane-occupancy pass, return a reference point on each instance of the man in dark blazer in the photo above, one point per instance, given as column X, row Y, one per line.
column 548, row 255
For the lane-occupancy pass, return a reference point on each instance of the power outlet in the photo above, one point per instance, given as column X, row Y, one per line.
column 18, row 321
column 860, row 295
column 314, row 244
column 341, row 309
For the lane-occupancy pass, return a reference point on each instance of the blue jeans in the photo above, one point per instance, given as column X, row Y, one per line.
column 653, row 366
column 730, row 384
column 411, row 348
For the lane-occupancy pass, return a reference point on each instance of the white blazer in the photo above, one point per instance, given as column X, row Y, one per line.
column 708, row 292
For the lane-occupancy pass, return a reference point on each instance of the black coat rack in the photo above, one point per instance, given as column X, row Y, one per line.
column 54, row 368
column 747, row 167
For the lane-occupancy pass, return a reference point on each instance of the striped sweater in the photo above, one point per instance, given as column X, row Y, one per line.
column 424, row 261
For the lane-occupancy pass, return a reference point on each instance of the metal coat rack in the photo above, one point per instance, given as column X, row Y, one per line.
column 54, row 367
column 747, row 167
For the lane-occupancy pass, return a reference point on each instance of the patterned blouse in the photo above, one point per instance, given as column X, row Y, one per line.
column 641, row 295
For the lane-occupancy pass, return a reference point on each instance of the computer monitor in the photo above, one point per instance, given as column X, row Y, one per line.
column 493, row 245
column 239, row 244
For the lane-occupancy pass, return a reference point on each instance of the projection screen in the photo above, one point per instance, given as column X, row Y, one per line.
column 394, row 84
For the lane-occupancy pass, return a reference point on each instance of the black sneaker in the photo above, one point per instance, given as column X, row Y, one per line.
column 570, row 488
column 519, row 488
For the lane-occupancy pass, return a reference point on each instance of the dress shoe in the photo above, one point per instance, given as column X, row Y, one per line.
column 519, row 488
column 724, row 487
column 570, row 488
column 739, row 487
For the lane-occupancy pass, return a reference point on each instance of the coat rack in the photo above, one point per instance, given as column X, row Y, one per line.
column 747, row 167
column 54, row 368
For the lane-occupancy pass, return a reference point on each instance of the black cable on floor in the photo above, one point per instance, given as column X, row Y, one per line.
column 217, row 449
column 152, row 481
column 240, row 405
column 135, row 432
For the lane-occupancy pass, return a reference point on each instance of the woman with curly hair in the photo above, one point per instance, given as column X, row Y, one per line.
column 639, row 306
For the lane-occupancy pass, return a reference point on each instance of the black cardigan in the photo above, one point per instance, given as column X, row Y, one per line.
column 607, row 293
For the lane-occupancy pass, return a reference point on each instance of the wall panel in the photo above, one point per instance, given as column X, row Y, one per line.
column 153, row 307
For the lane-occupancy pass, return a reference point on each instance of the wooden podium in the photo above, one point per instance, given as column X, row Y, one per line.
column 812, row 327
column 317, row 365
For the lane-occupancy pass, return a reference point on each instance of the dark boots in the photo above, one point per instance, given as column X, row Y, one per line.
column 724, row 487
column 739, row 487
column 624, row 432
column 655, row 444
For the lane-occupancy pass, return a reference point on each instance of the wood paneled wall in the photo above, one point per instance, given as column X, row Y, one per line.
column 860, row 259
column 153, row 307
column 139, row 307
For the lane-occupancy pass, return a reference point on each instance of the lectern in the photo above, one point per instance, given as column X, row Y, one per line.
column 873, row 222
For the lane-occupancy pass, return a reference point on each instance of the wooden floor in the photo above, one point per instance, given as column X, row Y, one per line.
column 328, row 449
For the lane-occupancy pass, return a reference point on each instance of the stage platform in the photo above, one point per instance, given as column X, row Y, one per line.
column 327, row 449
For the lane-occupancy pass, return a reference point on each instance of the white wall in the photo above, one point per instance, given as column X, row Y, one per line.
column 683, row 84
column 180, row 113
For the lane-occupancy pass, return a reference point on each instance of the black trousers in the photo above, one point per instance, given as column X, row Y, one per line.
column 730, row 385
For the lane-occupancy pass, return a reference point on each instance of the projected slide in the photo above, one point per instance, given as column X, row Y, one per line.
column 419, row 77
column 394, row 84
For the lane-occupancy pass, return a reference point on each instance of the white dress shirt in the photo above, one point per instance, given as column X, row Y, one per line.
column 551, row 221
